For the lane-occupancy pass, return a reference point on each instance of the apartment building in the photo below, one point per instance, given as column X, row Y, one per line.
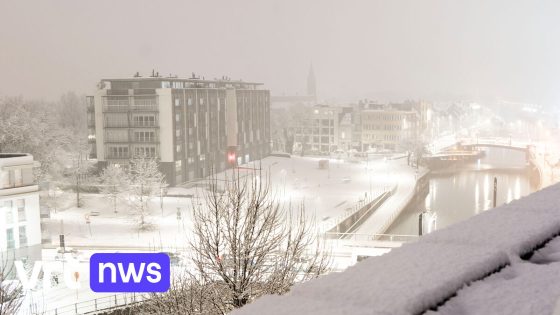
column 191, row 126
column 20, row 226
column 317, row 132
column 387, row 127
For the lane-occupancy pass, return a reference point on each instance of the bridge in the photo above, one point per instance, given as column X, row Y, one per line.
column 496, row 142
column 447, row 142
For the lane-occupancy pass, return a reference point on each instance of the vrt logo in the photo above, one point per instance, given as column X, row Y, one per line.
column 129, row 272
column 71, row 274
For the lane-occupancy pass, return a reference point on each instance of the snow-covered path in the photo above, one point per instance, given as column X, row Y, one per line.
column 405, row 182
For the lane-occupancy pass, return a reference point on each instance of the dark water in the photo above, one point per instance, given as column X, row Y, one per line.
column 459, row 193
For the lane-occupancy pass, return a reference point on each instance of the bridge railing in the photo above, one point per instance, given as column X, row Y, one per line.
column 361, row 237
column 94, row 306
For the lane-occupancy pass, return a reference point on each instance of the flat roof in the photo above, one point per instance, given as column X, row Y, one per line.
column 12, row 155
column 194, row 80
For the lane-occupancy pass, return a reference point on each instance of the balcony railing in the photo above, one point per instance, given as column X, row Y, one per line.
column 152, row 107
column 116, row 108
column 119, row 157
column 130, row 103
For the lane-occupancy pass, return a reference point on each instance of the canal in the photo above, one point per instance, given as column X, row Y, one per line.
column 462, row 191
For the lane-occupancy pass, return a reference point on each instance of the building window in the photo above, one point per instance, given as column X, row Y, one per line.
column 189, row 101
column 177, row 132
column 22, row 236
column 144, row 121
column 178, row 166
column 20, row 204
column 5, row 177
column 10, row 238
column 118, row 152
column 177, row 117
column 177, row 102
column 9, row 212
column 201, row 101
column 149, row 152
column 178, row 148
column 144, row 136
column 18, row 178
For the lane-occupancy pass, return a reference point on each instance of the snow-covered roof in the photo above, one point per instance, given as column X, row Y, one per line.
column 489, row 264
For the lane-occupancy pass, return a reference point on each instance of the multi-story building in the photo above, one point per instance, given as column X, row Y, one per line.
column 317, row 132
column 20, row 222
column 386, row 127
column 192, row 126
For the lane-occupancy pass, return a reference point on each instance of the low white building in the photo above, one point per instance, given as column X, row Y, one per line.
column 20, row 226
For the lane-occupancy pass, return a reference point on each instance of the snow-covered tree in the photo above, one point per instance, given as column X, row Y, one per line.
column 114, row 181
column 10, row 290
column 32, row 127
column 246, row 244
column 146, row 182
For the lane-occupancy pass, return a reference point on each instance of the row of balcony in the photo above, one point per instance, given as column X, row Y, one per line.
column 131, row 124
column 130, row 107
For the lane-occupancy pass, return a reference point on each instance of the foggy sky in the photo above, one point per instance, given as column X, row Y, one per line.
column 385, row 50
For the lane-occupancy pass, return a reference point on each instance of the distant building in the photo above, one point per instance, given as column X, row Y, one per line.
column 192, row 126
column 365, row 126
column 20, row 225
column 386, row 127
column 317, row 133
column 346, row 126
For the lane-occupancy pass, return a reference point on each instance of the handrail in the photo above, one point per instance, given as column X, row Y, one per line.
column 371, row 237
column 93, row 306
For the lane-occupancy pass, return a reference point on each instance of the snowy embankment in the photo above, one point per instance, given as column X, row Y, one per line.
column 490, row 264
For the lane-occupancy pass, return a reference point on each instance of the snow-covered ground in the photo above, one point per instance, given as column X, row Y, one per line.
column 329, row 196
column 478, row 260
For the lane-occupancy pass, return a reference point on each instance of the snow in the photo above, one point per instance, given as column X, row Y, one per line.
column 329, row 196
column 405, row 281
column 525, row 287
column 420, row 275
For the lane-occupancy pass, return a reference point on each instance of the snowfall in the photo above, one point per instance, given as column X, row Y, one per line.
column 329, row 195
column 502, row 261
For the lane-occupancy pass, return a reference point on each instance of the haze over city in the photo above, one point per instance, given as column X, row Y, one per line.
column 281, row 157
column 382, row 50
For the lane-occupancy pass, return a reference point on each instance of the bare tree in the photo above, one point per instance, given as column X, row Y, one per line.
column 11, row 292
column 248, row 244
column 114, row 181
column 186, row 296
column 80, row 170
column 145, row 182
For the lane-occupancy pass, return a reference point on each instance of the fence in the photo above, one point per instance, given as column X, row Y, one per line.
column 101, row 304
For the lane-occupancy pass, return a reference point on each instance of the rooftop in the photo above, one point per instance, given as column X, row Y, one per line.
column 502, row 261
column 223, row 80
column 12, row 155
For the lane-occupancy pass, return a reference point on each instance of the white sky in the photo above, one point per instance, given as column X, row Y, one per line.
column 385, row 50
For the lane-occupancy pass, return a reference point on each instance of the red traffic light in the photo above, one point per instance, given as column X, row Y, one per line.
column 231, row 157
